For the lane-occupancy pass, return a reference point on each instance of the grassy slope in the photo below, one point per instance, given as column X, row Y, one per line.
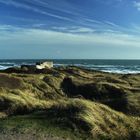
column 46, row 105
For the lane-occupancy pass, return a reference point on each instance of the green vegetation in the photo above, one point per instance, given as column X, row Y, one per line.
column 69, row 103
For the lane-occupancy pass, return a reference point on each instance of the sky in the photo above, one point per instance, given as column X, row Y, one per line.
column 70, row 29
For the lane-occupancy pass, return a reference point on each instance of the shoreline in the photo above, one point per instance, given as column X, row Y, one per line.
column 125, row 72
column 111, row 66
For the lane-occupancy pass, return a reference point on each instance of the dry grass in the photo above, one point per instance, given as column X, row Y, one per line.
column 94, row 119
column 55, row 96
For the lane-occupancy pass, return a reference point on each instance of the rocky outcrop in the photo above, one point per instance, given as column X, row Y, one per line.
column 43, row 65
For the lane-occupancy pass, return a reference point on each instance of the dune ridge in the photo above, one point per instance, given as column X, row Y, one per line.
column 69, row 103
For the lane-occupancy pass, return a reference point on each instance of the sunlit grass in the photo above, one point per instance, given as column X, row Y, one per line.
column 39, row 103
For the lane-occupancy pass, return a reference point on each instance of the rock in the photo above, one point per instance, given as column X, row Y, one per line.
column 43, row 65
column 28, row 67
column 12, row 70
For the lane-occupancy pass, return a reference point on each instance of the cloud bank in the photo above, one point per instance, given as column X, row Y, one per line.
column 73, row 36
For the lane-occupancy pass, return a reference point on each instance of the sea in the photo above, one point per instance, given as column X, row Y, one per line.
column 111, row 66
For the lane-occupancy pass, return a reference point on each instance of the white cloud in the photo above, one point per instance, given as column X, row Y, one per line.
column 52, row 5
column 71, row 15
column 48, row 37
column 74, row 29
column 112, row 24
column 109, row 2
column 38, row 25
column 137, row 5
column 21, row 5
column 82, row 30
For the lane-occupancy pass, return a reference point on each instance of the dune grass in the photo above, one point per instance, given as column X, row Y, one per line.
column 46, row 105
column 83, row 117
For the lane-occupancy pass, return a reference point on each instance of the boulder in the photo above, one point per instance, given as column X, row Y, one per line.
column 43, row 65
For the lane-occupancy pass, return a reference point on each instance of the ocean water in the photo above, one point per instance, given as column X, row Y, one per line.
column 112, row 66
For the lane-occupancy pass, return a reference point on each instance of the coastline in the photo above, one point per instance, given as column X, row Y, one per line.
column 111, row 66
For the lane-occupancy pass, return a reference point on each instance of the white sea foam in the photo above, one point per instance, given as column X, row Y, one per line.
column 122, row 67
column 122, row 72
column 3, row 67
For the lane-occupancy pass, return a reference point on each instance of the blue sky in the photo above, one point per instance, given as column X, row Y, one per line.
column 59, row 29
